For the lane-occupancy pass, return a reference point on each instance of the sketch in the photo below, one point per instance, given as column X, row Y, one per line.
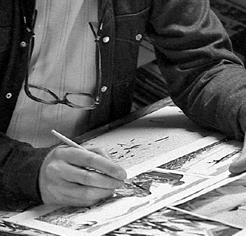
column 171, row 222
column 163, row 183
column 7, row 214
column 226, row 204
column 206, row 161
column 128, row 150
column 10, row 229
column 136, row 193
column 154, row 134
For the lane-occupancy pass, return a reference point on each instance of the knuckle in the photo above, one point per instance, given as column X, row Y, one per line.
column 51, row 168
column 54, row 171
column 57, row 151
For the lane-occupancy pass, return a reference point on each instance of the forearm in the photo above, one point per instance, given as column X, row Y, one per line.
column 19, row 170
column 206, row 80
column 219, row 103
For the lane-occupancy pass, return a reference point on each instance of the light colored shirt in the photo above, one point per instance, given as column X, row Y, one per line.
column 63, row 61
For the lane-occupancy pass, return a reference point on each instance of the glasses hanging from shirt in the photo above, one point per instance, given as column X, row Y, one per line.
column 44, row 95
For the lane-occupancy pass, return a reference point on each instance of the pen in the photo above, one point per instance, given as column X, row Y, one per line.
column 72, row 144
column 67, row 140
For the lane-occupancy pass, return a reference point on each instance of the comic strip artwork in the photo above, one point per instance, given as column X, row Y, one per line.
column 178, row 178
column 10, row 229
column 172, row 222
column 138, row 192
column 210, row 160
column 226, row 204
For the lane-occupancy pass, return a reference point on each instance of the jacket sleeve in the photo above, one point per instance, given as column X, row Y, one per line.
column 19, row 171
column 206, row 79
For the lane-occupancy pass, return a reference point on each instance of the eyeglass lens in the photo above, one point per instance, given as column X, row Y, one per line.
column 77, row 99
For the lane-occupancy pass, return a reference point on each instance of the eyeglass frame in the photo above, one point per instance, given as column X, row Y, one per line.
column 64, row 100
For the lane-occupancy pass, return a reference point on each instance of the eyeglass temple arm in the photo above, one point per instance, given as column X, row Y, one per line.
column 99, row 69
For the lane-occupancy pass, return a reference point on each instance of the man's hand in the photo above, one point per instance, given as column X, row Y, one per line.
column 68, row 177
column 239, row 165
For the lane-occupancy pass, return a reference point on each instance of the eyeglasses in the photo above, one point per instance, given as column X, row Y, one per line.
column 75, row 100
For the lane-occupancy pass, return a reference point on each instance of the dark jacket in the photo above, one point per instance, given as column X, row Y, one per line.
column 206, row 80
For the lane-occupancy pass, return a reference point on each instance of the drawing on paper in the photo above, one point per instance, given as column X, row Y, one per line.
column 210, row 160
column 10, row 229
column 171, row 222
column 226, row 204
column 147, row 186
column 186, row 174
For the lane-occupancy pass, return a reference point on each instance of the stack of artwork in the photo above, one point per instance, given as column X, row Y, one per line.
column 178, row 184
column 189, row 194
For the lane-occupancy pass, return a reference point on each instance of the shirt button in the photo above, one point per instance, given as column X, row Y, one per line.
column 8, row 95
column 139, row 37
column 104, row 89
column 106, row 39
column 23, row 44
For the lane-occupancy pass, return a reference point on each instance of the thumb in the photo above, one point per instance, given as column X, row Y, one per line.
column 239, row 165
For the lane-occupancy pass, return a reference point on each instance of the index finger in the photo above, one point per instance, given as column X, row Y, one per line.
column 86, row 158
